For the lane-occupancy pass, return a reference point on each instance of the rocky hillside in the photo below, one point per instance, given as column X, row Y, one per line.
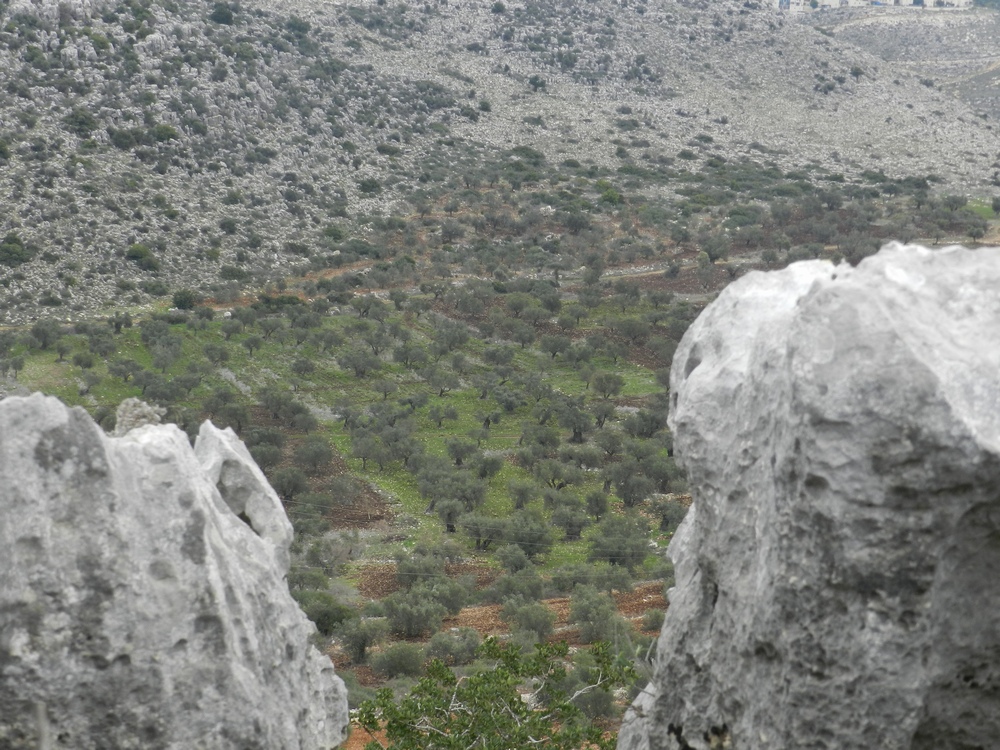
column 151, row 145
column 955, row 52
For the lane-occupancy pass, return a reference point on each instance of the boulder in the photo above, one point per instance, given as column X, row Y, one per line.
column 143, row 601
column 838, row 575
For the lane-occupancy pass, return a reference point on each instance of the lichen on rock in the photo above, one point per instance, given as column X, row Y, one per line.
column 836, row 576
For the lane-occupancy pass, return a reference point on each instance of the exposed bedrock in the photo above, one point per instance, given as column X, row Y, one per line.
column 838, row 577
column 142, row 594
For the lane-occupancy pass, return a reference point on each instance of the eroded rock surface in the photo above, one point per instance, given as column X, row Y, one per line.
column 838, row 576
column 137, row 608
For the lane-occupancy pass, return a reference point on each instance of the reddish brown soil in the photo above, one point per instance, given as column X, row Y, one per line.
column 378, row 580
column 484, row 619
column 634, row 603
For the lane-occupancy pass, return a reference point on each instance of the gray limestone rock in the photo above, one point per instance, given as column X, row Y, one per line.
column 838, row 576
column 137, row 609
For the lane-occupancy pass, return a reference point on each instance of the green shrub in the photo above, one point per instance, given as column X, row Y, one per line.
column 513, row 558
column 602, row 576
column 454, row 648
column 529, row 531
column 162, row 133
column 652, row 619
column 531, row 616
column 289, row 482
column 416, row 568
column 323, row 609
column 13, row 251
column 596, row 615
column 450, row 593
column 143, row 257
column 185, row 299
column 81, row 122
column 525, row 583
column 400, row 659
column 359, row 634
column 413, row 613
column 221, row 13
column 307, row 578
column 671, row 513
column 621, row 540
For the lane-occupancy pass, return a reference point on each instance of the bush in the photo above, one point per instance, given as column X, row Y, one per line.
column 412, row 613
column 359, row 634
column 602, row 576
column 221, row 13
column 596, row 615
column 525, row 583
column 323, row 609
column 671, row 513
column 162, row 133
column 621, row 540
column 529, row 531
column 143, row 257
column 13, row 251
column 308, row 509
column 450, row 593
column 307, row 578
column 513, row 558
column 534, row 617
column 417, row 568
column 596, row 703
column 464, row 712
column 401, row 659
column 571, row 519
column 314, row 454
column 81, row 122
column 289, row 482
column 652, row 619
column 455, row 648
column 185, row 299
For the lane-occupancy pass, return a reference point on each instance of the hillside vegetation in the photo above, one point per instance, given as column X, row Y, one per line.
column 432, row 262
column 146, row 144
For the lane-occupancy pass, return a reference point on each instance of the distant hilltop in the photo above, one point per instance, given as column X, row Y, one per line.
column 801, row 6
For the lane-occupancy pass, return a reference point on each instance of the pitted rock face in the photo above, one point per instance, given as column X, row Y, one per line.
column 137, row 609
column 837, row 576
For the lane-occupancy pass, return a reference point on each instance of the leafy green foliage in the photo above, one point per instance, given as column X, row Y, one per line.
column 14, row 252
column 400, row 659
column 323, row 609
column 454, row 648
column 621, row 540
column 360, row 634
column 486, row 710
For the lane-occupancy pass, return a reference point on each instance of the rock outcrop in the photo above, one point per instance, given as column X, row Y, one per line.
column 142, row 594
column 838, row 576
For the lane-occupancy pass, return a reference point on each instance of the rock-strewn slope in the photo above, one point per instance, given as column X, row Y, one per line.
column 837, row 577
column 149, row 145
column 137, row 609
